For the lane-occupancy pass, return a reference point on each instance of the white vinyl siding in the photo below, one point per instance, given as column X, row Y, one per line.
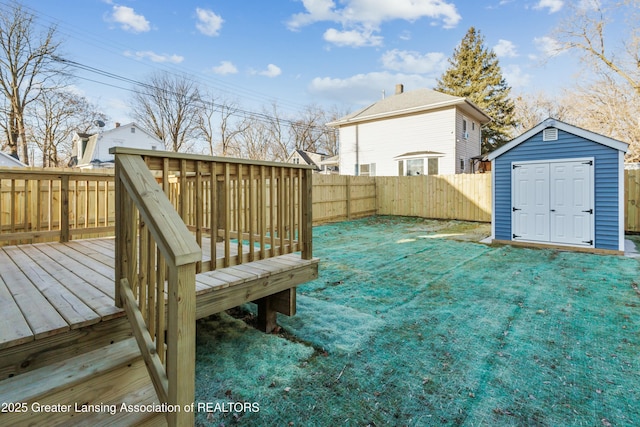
column 469, row 147
column 381, row 141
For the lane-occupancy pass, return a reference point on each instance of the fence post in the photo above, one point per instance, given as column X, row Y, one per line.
column 307, row 217
column 64, row 208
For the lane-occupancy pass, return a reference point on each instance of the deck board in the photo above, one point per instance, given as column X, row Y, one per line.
column 49, row 288
column 42, row 317
column 74, row 311
column 17, row 331
column 100, row 302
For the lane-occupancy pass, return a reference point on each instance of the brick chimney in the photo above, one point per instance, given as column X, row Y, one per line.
column 117, row 124
column 399, row 88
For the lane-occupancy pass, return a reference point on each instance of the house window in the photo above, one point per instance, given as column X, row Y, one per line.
column 415, row 167
column 465, row 134
column 133, row 130
column 432, row 165
column 462, row 165
column 368, row 169
column 296, row 161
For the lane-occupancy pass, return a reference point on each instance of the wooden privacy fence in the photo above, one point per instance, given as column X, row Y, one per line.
column 632, row 196
column 463, row 197
column 55, row 204
column 33, row 207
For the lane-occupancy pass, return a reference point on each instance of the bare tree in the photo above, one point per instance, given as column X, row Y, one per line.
column 170, row 106
column 219, row 123
column 606, row 107
column 531, row 109
column 307, row 130
column 27, row 68
column 53, row 119
column 276, row 128
column 254, row 142
column 585, row 31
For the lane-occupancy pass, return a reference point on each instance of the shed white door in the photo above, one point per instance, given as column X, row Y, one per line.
column 553, row 202
column 531, row 202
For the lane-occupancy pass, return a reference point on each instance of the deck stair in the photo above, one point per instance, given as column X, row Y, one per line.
column 110, row 375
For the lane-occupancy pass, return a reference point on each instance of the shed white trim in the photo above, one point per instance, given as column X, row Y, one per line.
column 621, row 202
column 550, row 122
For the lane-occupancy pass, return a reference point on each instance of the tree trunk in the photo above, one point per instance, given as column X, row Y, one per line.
column 24, row 148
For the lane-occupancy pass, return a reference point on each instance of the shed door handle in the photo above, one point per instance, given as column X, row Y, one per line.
column 553, row 210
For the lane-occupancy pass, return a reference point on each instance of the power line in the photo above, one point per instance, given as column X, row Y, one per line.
column 266, row 118
column 115, row 48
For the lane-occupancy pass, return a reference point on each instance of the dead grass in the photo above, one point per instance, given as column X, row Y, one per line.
column 411, row 323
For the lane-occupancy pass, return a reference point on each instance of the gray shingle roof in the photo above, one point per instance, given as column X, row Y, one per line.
column 406, row 102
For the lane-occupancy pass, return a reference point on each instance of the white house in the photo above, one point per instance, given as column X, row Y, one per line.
column 321, row 162
column 10, row 161
column 411, row 133
column 92, row 150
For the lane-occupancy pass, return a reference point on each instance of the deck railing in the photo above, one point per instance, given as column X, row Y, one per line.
column 248, row 209
column 156, row 258
column 44, row 204
column 166, row 206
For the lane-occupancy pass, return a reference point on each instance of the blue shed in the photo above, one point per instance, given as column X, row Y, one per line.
column 559, row 185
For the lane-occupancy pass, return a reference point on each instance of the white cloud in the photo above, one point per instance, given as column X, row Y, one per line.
column 370, row 14
column 271, row 71
column 317, row 10
column 375, row 12
column 515, row 77
column 129, row 20
column 505, row 49
column 353, row 38
column 155, row 57
column 363, row 89
column 208, row 23
column 589, row 4
column 548, row 46
column 413, row 62
column 225, row 67
column 553, row 5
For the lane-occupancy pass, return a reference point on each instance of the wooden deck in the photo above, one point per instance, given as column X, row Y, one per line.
column 48, row 289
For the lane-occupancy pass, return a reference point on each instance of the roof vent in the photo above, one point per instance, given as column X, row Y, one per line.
column 550, row 134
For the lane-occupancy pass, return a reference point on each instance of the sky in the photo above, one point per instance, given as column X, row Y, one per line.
column 344, row 53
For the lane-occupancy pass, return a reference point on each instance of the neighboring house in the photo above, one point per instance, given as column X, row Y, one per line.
column 317, row 160
column 331, row 165
column 559, row 185
column 9, row 161
column 420, row 132
column 92, row 150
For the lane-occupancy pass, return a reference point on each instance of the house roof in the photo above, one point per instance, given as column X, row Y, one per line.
column 333, row 160
column 414, row 101
column 94, row 138
column 554, row 123
column 419, row 154
column 307, row 157
column 10, row 161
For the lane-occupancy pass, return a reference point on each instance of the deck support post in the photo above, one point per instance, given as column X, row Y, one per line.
column 267, row 315
column 268, row 308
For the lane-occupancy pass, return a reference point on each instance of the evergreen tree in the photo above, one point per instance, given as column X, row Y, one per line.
column 474, row 73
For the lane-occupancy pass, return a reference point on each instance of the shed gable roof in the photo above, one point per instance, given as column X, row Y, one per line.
column 553, row 123
column 411, row 102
